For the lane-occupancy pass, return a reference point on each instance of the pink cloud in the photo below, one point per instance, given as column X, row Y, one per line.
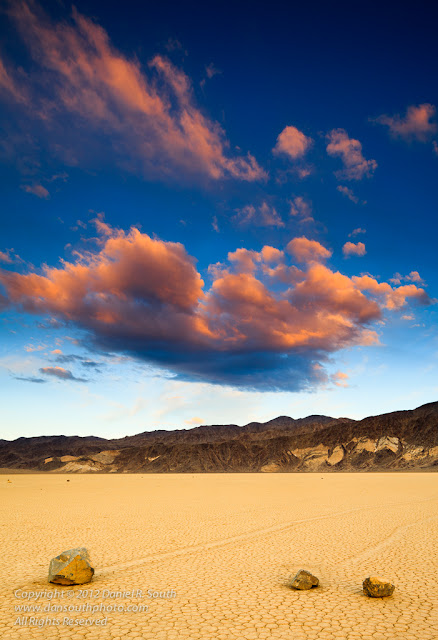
column 346, row 191
column 151, row 118
column 143, row 296
column 413, row 276
column 293, row 143
column 9, row 84
column 305, row 250
column 415, row 125
column 349, row 150
column 37, row 190
column 354, row 249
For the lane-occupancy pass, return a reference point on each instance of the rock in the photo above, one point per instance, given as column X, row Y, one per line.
column 105, row 457
column 375, row 587
column 365, row 444
column 413, row 452
column 337, row 455
column 304, row 580
column 71, row 567
column 68, row 458
column 387, row 443
column 272, row 467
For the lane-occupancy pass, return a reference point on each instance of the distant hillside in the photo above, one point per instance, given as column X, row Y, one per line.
column 398, row 440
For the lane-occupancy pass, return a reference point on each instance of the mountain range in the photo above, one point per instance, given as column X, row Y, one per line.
column 401, row 440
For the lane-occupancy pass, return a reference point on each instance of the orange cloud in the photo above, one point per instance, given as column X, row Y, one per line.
column 60, row 372
column 416, row 124
column 194, row 420
column 353, row 249
column 293, row 143
column 349, row 150
column 340, row 379
column 393, row 299
column 261, row 321
column 154, row 123
column 306, row 250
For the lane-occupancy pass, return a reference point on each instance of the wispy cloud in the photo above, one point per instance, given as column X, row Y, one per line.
column 149, row 115
column 348, row 193
column 301, row 209
column 37, row 190
column 30, row 379
column 356, row 232
column 416, row 124
column 349, row 150
column 263, row 215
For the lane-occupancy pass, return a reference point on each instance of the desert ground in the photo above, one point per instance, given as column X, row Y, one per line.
column 212, row 554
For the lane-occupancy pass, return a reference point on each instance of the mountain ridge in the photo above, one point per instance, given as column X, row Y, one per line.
column 403, row 439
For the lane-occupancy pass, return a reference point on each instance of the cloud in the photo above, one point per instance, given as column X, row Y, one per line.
column 263, row 215
column 211, row 71
column 346, row 191
column 349, row 150
column 305, row 250
column 9, row 85
column 261, row 323
column 356, row 232
column 392, row 299
column 85, row 362
column 30, row 379
column 60, row 373
column 352, row 249
column 415, row 125
column 293, row 143
column 37, row 190
column 148, row 116
column 5, row 256
column 413, row 276
column 302, row 209
column 194, row 420
column 340, row 379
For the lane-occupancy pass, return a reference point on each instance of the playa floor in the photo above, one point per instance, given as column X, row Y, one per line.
column 208, row 556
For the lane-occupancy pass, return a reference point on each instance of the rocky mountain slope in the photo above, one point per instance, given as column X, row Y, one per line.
column 398, row 440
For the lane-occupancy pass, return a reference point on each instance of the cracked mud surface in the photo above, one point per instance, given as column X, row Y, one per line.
column 226, row 544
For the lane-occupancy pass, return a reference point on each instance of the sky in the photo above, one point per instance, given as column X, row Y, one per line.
column 215, row 213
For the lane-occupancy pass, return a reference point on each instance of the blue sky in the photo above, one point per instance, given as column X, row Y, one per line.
column 215, row 214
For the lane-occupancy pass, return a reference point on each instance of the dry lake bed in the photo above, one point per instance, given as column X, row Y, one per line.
column 209, row 556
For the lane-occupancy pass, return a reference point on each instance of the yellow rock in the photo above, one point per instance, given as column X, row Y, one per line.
column 71, row 567
column 376, row 587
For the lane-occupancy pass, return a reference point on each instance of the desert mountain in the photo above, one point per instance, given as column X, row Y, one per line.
column 398, row 440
